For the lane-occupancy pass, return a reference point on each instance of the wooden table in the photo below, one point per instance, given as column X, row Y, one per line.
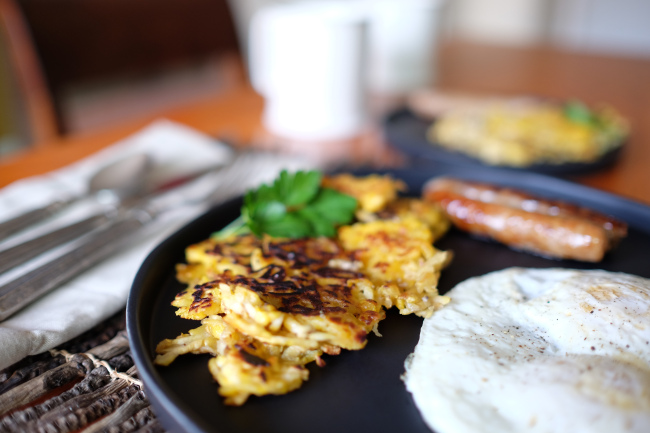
column 621, row 82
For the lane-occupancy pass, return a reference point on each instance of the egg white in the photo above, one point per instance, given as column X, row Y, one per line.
column 537, row 350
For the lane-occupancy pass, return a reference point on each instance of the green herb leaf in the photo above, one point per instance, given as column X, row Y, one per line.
column 578, row 112
column 299, row 188
column 319, row 225
column 293, row 206
column 289, row 226
column 334, row 206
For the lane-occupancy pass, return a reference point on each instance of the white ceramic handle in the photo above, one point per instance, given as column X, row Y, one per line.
column 256, row 62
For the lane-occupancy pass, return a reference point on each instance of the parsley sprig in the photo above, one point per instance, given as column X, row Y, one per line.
column 293, row 206
column 578, row 112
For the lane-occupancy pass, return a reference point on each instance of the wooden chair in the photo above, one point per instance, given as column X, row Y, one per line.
column 81, row 42
column 35, row 98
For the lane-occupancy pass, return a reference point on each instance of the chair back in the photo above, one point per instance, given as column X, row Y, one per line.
column 71, row 44
column 34, row 99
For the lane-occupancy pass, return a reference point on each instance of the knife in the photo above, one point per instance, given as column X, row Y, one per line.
column 9, row 227
column 230, row 181
column 25, row 251
column 121, row 178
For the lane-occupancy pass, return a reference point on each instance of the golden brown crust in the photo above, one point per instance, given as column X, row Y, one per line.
column 269, row 306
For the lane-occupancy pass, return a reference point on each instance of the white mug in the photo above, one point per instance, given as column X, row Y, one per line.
column 307, row 60
column 403, row 36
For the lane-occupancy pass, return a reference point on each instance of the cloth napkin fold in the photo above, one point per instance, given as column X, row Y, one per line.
column 100, row 292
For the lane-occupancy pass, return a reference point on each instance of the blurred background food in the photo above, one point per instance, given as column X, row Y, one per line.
column 521, row 132
column 104, row 61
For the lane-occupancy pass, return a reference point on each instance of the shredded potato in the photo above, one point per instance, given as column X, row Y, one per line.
column 268, row 306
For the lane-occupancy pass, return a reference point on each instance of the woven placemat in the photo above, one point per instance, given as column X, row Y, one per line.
column 88, row 384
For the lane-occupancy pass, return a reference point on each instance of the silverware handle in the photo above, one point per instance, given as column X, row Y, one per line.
column 21, row 222
column 22, row 291
column 26, row 251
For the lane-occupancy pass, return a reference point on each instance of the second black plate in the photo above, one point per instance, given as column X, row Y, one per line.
column 407, row 132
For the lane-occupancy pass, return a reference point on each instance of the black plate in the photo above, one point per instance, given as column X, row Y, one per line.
column 407, row 132
column 357, row 391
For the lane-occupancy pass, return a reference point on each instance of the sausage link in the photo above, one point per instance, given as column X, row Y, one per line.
column 549, row 228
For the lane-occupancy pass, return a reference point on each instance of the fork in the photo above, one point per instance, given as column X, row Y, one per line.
column 23, row 252
column 231, row 180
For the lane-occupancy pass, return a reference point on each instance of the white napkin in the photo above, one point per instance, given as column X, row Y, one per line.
column 102, row 291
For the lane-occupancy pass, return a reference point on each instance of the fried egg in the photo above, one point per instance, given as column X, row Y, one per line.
column 537, row 350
